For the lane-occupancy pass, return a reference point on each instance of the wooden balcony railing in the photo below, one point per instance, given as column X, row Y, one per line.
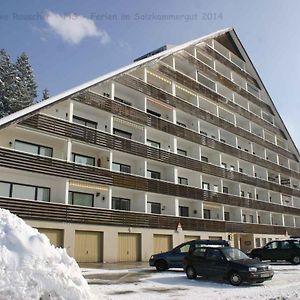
column 46, row 211
column 213, row 75
column 190, row 83
column 128, row 112
column 53, row 167
column 225, row 61
column 156, row 93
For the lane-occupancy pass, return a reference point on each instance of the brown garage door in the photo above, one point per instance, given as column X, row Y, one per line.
column 129, row 247
column 55, row 236
column 188, row 238
column 88, row 246
column 162, row 243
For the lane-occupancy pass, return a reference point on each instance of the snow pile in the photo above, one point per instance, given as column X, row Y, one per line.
column 31, row 268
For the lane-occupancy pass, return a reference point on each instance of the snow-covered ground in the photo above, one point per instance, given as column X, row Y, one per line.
column 32, row 269
column 146, row 283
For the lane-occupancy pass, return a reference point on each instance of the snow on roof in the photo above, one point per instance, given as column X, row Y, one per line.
column 35, row 107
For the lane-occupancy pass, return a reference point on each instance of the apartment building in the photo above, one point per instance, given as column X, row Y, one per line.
column 185, row 143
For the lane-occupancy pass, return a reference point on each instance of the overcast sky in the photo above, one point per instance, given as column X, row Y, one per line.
column 71, row 42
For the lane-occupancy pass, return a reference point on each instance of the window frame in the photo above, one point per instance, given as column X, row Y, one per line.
column 180, row 179
column 113, row 199
column 74, row 154
column 152, row 141
column 184, row 208
column 122, row 165
column 128, row 135
column 36, row 145
column 82, row 193
column 158, row 205
column 86, row 121
column 11, row 184
column 155, row 172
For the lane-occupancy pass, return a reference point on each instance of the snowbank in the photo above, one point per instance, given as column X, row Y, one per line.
column 31, row 268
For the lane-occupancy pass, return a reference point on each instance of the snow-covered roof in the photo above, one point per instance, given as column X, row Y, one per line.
column 35, row 107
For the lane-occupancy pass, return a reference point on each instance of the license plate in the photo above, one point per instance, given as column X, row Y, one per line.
column 264, row 275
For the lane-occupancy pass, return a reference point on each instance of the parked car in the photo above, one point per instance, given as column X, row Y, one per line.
column 288, row 250
column 228, row 263
column 174, row 258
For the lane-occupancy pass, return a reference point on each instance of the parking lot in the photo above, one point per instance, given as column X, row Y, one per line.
column 141, row 282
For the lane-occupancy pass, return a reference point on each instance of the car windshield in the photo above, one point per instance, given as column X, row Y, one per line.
column 234, row 254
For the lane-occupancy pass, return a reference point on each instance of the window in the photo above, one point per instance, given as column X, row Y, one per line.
column 153, row 174
column 225, row 190
column 184, row 249
column 206, row 213
column 122, row 101
column 213, row 254
column 181, row 124
column 121, row 167
column 251, row 217
column 83, row 199
column 285, row 245
column 24, row 191
column 205, row 186
column 244, row 219
column 84, row 122
column 122, row 133
column 83, row 159
column 182, row 152
column 33, row 148
column 154, row 207
column 5, row 189
column 264, row 241
column 216, row 188
column 203, row 132
column 249, row 195
column 200, row 252
column 257, row 242
column 154, row 113
column 120, row 203
column 273, row 245
column 153, row 144
column 183, row 211
column 204, row 158
column 240, row 170
column 242, row 194
column 227, row 216
column 232, row 168
column 183, row 180
column 224, row 165
column 258, row 220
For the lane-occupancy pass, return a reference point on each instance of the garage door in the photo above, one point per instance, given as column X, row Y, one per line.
column 55, row 236
column 129, row 247
column 88, row 246
column 188, row 238
column 161, row 243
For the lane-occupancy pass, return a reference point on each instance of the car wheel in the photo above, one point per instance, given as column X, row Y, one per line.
column 161, row 265
column 235, row 278
column 296, row 260
column 190, row 273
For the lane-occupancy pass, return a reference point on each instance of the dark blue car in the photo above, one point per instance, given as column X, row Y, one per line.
column 174, row 258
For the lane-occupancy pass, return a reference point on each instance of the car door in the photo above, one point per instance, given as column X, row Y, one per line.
column 271, row 251
column 286, row 250
column 216, row 262
column 177, row 255
column 198, row 261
